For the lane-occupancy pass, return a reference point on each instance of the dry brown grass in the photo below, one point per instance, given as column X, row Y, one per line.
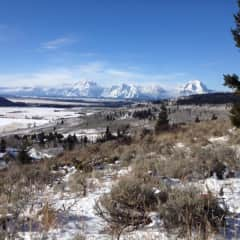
column 178, row 163
column 78, row 183
column 187, row 164
column 195, row 133
column 48, row 217
column 152, row 156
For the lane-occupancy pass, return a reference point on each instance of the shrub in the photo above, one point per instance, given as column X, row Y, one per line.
column 80, row 237
column 16, row 195
column 188, row 210
column 48, row 217
column 194, row 164
column 78, row 183
column 214, row 117
column 127, row 205
column 218, row 159
column 145, row 131
column 173, row 163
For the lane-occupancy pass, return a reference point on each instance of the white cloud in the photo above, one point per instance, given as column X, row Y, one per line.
column 57, row 43
column 100, row 72
column 43, row 78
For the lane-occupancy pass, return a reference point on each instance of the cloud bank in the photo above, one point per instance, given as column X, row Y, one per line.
column 100, row 72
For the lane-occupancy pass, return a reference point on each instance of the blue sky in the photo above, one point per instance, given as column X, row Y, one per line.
column 170, row 42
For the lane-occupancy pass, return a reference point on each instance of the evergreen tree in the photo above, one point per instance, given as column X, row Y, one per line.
column 214, row 117
column 108, row 134
column 70, row 142
column 232, row 81
column 197, row 120
column 23, row 156
column 162, row 122
column 236, row 31
column 41, row 138
column 3, row 146
column 85, row 140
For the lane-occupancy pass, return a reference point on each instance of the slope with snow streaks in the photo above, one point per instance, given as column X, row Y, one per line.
column 132, row 91
column 85, row 89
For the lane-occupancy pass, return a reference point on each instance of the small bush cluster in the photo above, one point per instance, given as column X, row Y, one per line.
column 19, row 185
column 127, row 205
column 191, row 212
column 184, row 209
column 78, row 183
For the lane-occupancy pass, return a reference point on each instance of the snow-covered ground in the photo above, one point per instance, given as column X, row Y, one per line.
column 13, row 118
column 36, row 112
column 77, row 214
column 229, row 191
column 10, row 124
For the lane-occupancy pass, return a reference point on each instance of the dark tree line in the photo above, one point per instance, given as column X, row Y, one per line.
column 144, row 114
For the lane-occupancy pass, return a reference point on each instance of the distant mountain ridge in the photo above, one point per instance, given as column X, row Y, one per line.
column 91, row 89
column 6, row 103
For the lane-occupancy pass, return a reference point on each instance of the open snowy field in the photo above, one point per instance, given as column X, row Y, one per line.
column 13, row 118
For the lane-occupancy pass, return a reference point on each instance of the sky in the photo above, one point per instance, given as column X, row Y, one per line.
column 169, row 42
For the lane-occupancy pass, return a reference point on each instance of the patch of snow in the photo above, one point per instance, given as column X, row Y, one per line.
column 218, row 139
column 124, row 172
column 179, row 145
column 3, row 165
column 232, row 130
column 229, row 187
column 38, row 155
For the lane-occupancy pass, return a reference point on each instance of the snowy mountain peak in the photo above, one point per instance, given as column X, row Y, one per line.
column 91, row 89
column 85, row 88
column 84, row 83
column 121, row 91
column 194, row 87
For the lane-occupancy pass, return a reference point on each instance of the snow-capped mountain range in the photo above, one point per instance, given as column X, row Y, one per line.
column 194, row 87
column 91, row 89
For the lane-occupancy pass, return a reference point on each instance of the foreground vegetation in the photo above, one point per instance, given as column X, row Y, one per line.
column 166, row 166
